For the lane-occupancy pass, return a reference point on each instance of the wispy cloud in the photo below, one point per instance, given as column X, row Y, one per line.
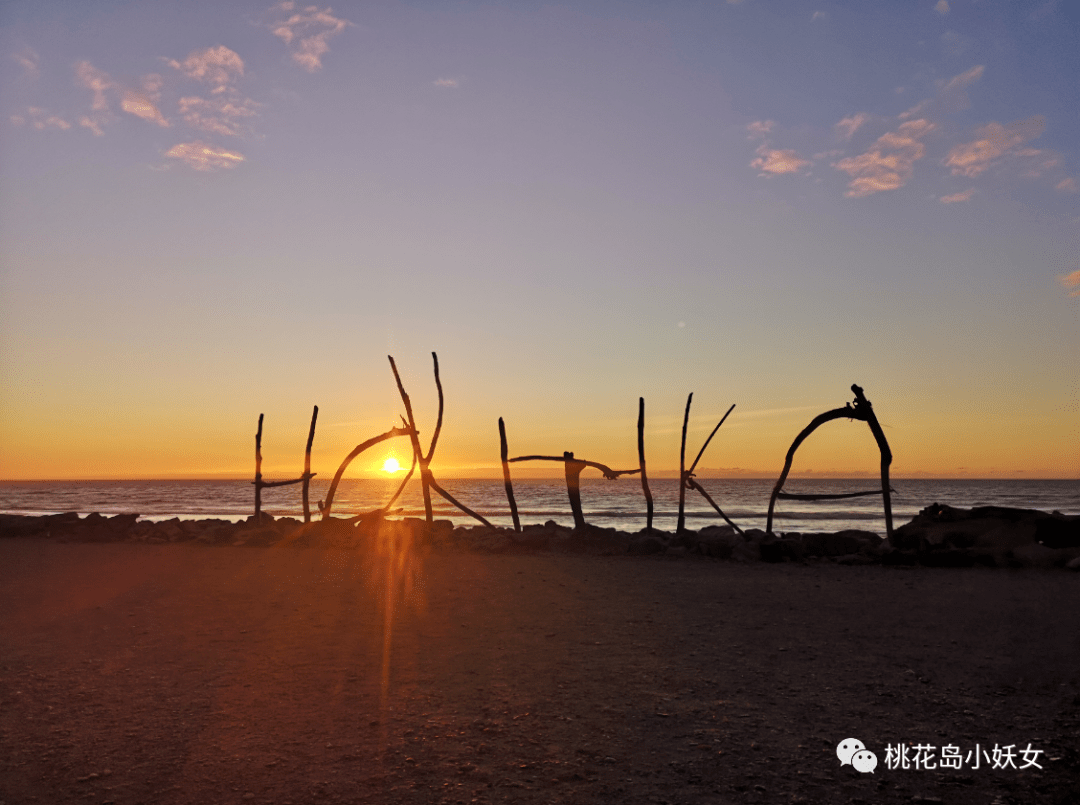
column 40, row 119
column 451, row 83
column 306, row 32
column 817, row 15
column 28, row 59
column 1067, row 185
column 216, row 115
column 958, row 197
column 93, row 124
column 203, row 157
column 217, row 66
column 952, row 95
column 888, row 163
column 992, row 143
column 775, row 162
column 1071, row 281
column 849, row 125
column 760, row 128
column 942, row 7
column 143, row 102
column 97, row 81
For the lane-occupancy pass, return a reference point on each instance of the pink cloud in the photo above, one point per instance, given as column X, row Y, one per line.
column 759, row 128
column 306, row 33
column 203, row 157
column 952, row 95
column 992, row 143
column 97, row 82
column 1071, row 281
column 889, row 162
column 777, row 162
column 1067, row 185
column 217, row 115
column 28, row 59
column 217, row 66
column 40, row 119
column 451, row 83
column 143, row 102
column 93, row 124
column 849, row 125
column 958, row 197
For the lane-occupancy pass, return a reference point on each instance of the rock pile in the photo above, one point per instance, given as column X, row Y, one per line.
column 940, row 536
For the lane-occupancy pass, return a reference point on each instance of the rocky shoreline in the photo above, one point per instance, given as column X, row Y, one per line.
column 939, row 536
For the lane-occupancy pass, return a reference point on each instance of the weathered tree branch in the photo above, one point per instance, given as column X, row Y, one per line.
column 692, row 484
column 641, row 461
column 506, row 475
column 425, row 480
column 258, row 473
column 609, row 474
column 681, row 524
column 308, row 474
column 462, row 506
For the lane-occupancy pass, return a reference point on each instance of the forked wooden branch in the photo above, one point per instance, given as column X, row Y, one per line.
column 573, row 468
column 609, row 474
column 692, row 484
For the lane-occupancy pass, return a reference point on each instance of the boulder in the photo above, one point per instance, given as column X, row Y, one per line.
column 646, row 545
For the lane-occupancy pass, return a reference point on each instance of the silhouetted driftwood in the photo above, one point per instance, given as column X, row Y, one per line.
column 427, row 480
column 260, row 484
column 641, row 461
column 687, row 475
column 506, row 475
column 681, row 523
column 573, row 468
column 794, row 496
column 861, row 410
column 308, row 474
column 258, row 472
column 324, row 507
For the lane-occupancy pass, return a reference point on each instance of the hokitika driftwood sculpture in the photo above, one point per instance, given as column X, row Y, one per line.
column 860, row 410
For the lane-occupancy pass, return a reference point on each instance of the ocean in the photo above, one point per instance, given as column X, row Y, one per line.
column 618, row 504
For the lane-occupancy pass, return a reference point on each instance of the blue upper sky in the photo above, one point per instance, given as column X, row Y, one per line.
column 211, row 209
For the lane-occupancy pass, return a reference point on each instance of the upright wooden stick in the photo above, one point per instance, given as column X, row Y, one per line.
column 573, row 469
column 308, row 475
column 682, row 469
column 258, row 473
column 506, row 475
column 641, row 461
column 425, row 475
column 863, row 404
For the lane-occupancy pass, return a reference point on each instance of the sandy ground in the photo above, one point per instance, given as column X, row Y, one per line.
column 191, row 674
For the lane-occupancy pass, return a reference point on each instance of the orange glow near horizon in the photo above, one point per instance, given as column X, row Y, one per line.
column 391, row 465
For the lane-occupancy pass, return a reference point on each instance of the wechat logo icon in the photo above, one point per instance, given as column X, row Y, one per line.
column 853, row 752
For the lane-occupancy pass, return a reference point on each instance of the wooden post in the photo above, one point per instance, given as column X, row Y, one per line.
column 573, row 469
column 506, row 475
column 641, row 461
column 308, row 475
column 258, row 473
column 682, row 469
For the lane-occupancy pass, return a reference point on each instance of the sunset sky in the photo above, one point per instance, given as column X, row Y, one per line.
column 212, row 210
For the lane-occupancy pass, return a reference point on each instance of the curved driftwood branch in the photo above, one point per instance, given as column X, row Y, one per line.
column 847, row 412
column 641, row 461
column 506, row 475
column 438, row 422
column 695, row 485
column 573, row 467
column 680, row 526
column 360, row 448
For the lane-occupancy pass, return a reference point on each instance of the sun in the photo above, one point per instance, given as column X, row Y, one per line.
column 391, row 465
